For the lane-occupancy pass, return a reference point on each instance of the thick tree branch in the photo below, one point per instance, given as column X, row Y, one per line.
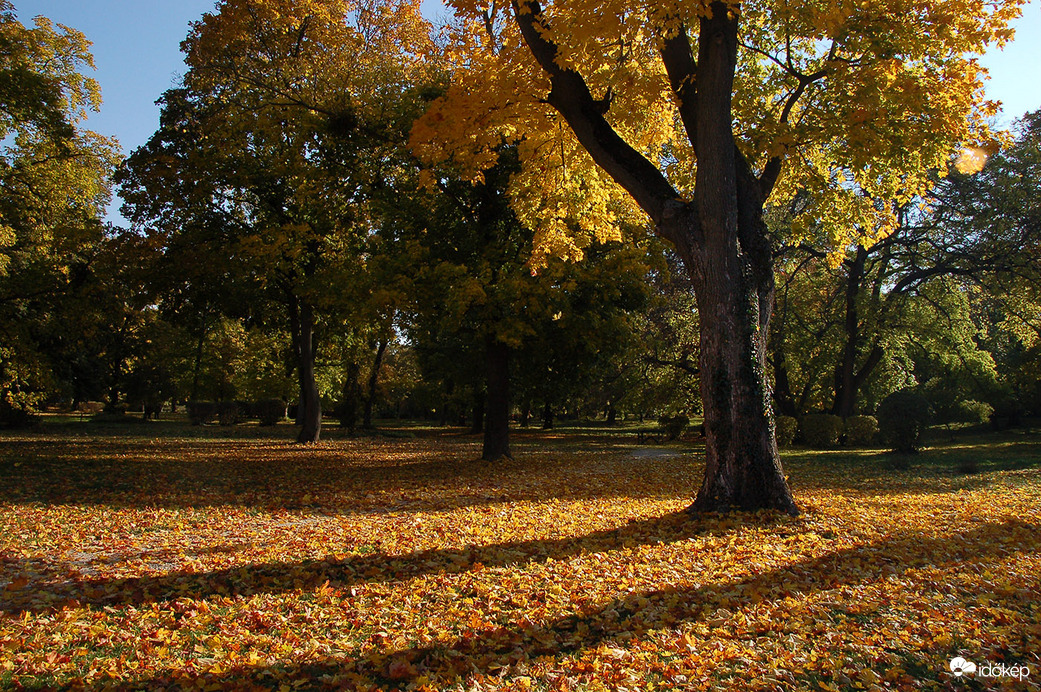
column 682, row 70
column 570, row 96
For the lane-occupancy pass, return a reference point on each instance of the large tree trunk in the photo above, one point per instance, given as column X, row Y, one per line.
column 301, row 317
column 497, row 402
column 374, row 376
column 732, row 271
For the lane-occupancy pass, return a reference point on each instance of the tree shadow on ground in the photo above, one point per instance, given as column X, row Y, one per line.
column 346, row 478
column 48, row 588
column 487, row 651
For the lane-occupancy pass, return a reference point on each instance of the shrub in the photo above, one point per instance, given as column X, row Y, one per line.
column 786, row 429
column 902, row 418
column 229, row 413
column 673, row 425
column 974, row 412
column 821, row 430
column 861, row 430
column 270, row 411
column 202, row 412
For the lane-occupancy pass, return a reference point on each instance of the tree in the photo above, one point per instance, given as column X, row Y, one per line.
column 976, row 233
column 290, row 112
column 53, row 191
column 702, row 113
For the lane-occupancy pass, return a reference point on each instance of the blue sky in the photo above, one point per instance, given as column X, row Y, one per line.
column 137, row 54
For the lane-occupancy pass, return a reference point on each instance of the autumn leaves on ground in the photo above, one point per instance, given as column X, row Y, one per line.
column 219, row 562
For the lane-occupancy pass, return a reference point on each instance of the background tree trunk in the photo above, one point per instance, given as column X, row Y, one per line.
column 477, row 410
column 497, row 402
column 370, row 395
column 310, row 410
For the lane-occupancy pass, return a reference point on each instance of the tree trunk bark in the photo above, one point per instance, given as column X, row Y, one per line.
column 732, row 271
column 301, row 317
column 547, row 417
column 497, row 402
column 370, row 395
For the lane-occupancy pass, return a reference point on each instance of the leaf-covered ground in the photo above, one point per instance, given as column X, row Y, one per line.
column 249, row 563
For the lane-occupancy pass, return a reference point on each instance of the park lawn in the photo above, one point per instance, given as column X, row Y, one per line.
column 239, row 561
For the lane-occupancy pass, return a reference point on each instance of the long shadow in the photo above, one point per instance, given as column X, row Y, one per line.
column 488, row 650
column 48, row 591
column 198, row 474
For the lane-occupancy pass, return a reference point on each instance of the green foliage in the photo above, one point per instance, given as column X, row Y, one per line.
column 860, row 430
column 787, row 427
column 974, row 412
column 821, row 430
column 53, row 191
column 902, row 418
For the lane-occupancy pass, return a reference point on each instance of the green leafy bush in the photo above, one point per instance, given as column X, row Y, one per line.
column 902, row 418
column 270, row 411
column 229, row 413
column 821, row 430
column 202, row 412
column 861, row 430
column 786, row 429
column 974, row 412
column 673, row 425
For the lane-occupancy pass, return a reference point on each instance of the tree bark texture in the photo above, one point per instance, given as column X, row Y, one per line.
column 497, row 402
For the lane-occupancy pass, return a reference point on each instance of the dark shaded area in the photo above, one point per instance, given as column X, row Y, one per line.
column 278, row 577
column 632, row 615
column 342, row 478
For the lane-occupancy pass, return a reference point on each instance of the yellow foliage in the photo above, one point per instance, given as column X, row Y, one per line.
column 881, row 92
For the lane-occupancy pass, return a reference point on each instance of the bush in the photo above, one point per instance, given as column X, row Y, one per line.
column 821, row 430
column 202, row 412
column 902, row 418
column 786, row 429
column 861, row 430
column 974, row 412
column 673, row 425
column 270, row 411
column 229, row 413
